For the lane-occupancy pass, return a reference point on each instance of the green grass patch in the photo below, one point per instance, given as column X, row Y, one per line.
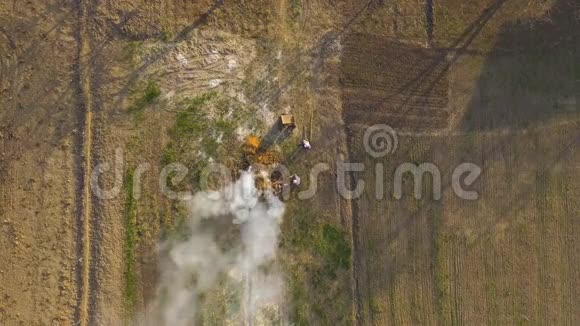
column 132, row 51
column 320, row 253
column 205, row 130
column 376, row 306
column 191, row 125
column 324, row 240
column 193, row 120
column 442, row 242
column 334, row 248
column 299, row 298
column 167, row 35
column 175, row 227
column 151, row 93
column 130, row 290
column 192, row 139
column 295, row 8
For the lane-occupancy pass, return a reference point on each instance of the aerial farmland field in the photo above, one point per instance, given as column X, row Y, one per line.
column 312, row 162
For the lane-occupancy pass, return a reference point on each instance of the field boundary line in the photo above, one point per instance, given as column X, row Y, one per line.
column 495, row 132
column 84, row 231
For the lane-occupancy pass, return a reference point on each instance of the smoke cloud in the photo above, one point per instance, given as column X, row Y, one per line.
column 231, row 244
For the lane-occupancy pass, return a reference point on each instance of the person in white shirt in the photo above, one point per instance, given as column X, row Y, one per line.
column 295, row 180
column 305, row 144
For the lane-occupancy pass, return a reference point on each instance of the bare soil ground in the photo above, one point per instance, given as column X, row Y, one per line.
column 493, row 260
column 38, row 163
column 63, row 246
column 398, row 84
column 486, row 261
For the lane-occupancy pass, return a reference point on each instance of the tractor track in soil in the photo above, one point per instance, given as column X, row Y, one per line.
column 429, row 88
column 84, row 314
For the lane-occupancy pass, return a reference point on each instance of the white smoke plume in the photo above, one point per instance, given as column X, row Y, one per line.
column 196, row 266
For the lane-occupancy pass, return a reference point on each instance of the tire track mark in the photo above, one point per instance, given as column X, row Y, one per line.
column 84, row 142
column 429, row 24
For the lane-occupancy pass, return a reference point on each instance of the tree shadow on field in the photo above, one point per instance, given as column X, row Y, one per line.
column 416, row 85
column 529, row 75
column 181, row 36
column 276, row 135
column 34, row 111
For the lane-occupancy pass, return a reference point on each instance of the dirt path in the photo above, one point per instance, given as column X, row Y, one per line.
column 38, row 159
column 283, row 7
column 84, row 231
